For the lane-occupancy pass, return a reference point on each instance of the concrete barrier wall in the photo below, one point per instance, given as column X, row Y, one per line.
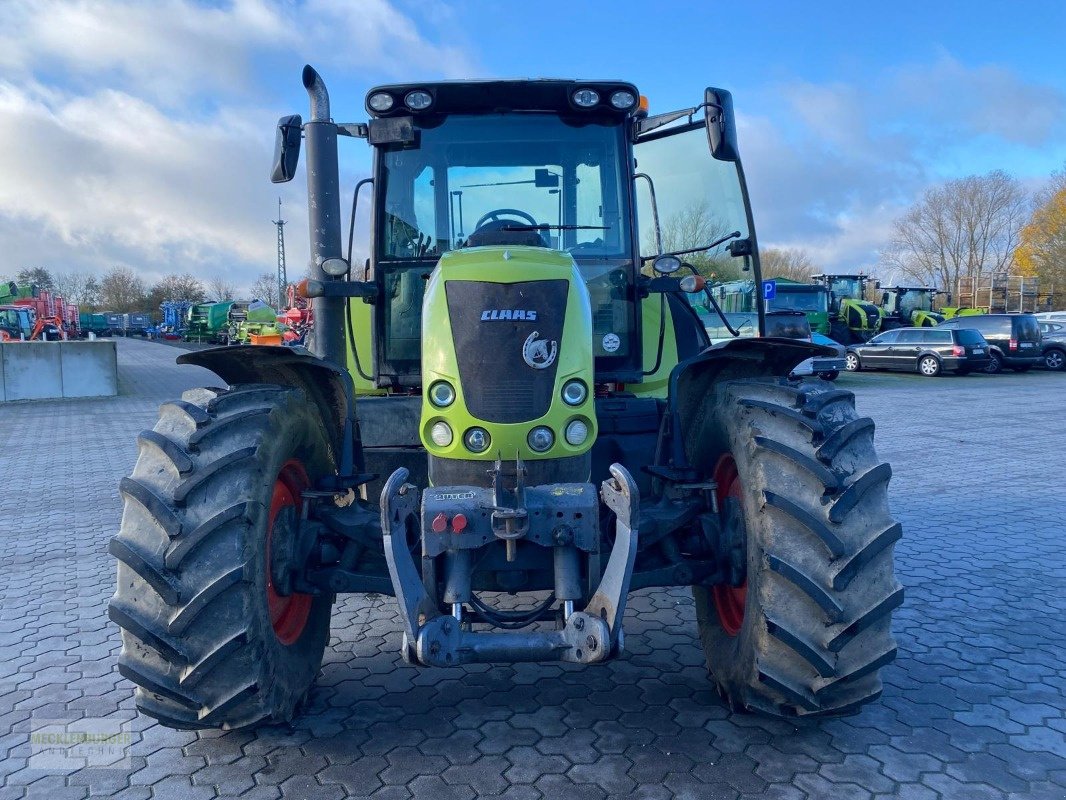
column 50, row 370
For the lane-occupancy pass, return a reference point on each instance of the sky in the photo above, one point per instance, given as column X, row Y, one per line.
column 140, row 134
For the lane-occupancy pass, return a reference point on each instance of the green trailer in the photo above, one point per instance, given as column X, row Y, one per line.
column 93, row 323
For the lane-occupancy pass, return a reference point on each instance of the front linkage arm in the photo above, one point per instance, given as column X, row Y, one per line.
column 437, row 639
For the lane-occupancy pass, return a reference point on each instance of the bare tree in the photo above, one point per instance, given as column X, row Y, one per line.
column 218, row 288
column 793, row 263
column 121, row 291
column 963, row 228
column 78, row 287
column 694, row 226
column 177, row 287
column 38, row 276
column 265, row 288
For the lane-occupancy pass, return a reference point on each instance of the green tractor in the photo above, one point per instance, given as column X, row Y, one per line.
column 505, row 401
column 852, row 317
column 908, row 306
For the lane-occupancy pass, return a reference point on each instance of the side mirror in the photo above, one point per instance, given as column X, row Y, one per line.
column 721, row 126
column 545, row 178
column 286, row 148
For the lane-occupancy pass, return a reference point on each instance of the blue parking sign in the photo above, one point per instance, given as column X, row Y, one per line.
column 769, row 290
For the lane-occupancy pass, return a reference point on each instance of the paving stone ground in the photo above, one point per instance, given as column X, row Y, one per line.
column 973, row 707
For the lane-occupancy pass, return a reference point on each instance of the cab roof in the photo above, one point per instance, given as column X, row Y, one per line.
column 501, row 96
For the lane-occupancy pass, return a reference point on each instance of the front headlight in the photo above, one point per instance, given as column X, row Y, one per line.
column 441, row 434
column 576, row 432
column 540, row 439
column 380, row 101
column 585, row 98
column 574, row 392
column 476, row 440
column 418, row 100
column 335, row 267
column 441, row 394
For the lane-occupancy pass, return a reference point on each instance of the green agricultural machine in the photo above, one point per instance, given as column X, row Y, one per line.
column 512, row 396
column 811, row 299
column 230, row 322
column 852, row 318
column 253, row 320
column 209, row 322
column 908, row 306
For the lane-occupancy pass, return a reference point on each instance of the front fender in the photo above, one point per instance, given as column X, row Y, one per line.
column 692, row 380
column 326, row 384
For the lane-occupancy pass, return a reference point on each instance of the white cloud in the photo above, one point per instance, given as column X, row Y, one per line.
column 138, row 134
column 832, row 165
column 953, row 98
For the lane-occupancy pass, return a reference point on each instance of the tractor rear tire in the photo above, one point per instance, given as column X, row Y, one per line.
column 205, row 637
column 808, row 632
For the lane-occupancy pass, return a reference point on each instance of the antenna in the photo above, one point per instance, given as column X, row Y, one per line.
column 283, row 281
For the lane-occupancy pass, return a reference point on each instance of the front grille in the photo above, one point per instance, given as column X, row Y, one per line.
column 498, row 385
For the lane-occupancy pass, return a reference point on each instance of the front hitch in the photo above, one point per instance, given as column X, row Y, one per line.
column 435, row 638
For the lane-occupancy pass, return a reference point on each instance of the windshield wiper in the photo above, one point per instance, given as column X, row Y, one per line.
column 545, row 226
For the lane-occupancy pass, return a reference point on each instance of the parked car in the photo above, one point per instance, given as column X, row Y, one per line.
column 795, row 325
column 1054, row 345
column 1013, row 339
column 928, row 351
column 841, row 353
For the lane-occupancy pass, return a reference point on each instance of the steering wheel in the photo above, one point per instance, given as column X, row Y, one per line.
column 495, row 216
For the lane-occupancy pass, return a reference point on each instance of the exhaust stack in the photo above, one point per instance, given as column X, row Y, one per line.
column 324, row 216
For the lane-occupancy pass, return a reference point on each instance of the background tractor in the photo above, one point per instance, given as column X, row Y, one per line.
column 908, row 306
column 852, row 317
column 513, row 395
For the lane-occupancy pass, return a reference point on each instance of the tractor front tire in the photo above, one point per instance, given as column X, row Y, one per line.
column 809, row 630
column 206, row 638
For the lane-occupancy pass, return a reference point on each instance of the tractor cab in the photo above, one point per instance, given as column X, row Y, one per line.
column 16, row 323
column 555, row 166
column 852, row 318
column 909, row 306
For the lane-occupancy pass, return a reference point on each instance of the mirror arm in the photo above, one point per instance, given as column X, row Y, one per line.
column 654, row 214
column 714, row 303
column 351, row 224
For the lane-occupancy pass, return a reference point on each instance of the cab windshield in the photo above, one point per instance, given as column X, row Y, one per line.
column 845, row 288
column 519, row 178
column 554, row 175
column 799, row 301
column 915, row 301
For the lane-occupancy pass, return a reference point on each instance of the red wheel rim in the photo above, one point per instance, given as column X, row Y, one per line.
column 288, row 614
column 729, row 601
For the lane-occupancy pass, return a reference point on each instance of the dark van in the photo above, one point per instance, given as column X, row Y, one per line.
column 1013, row 339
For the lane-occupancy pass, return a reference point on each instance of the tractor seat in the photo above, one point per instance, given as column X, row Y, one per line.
column 495, row 232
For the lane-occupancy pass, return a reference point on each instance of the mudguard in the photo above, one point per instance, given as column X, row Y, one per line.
column 692, row 379
column 325, row 383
